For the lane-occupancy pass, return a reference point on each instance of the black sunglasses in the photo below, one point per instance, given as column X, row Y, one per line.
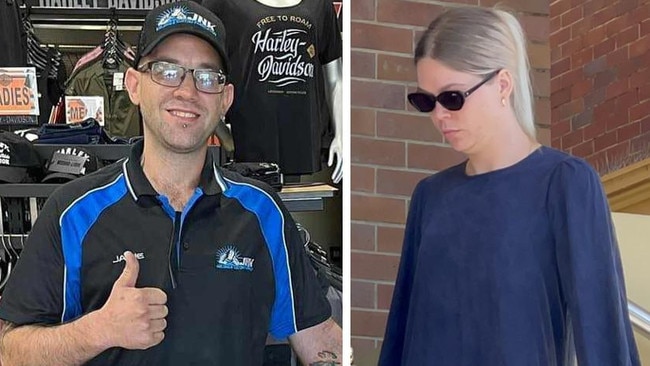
column 452, row 100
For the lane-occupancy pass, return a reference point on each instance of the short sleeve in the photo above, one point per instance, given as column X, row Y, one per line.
column 300, row 301
column 393, row 345
column 34, row 291
column 589, row 266
column 329, row 37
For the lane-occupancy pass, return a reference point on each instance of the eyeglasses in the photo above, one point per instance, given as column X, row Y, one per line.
column 452, row 100
column 169, row 74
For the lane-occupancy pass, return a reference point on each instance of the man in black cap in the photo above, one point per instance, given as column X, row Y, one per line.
column 163, row 258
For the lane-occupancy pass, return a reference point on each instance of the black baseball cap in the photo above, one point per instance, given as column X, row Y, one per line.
column 19, row 161
column 69, row 163
column 182, row 17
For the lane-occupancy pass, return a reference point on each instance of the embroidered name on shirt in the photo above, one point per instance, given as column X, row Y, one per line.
column 228, row 257
column 120, row 258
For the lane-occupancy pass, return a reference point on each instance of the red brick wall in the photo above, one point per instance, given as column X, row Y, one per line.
column 601, row 80
column 394, row 147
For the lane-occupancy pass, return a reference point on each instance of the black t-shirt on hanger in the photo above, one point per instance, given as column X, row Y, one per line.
column 280, row 113
column 12, row 36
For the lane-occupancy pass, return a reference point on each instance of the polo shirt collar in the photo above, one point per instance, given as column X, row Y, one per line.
column 140, row 186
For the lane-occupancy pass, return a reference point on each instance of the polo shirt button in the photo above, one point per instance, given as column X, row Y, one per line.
column 186, row 246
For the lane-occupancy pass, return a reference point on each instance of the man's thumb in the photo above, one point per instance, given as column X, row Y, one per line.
column 130, row 273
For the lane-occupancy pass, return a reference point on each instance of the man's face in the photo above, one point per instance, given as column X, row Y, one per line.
column 179, row 119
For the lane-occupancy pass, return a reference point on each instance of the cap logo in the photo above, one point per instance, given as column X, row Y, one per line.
column 182, row 15
column 4, row 154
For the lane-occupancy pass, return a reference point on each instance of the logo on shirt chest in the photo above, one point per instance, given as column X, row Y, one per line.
column 229, row 257
column 120, row 258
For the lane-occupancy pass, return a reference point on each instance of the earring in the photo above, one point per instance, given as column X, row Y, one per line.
column 223, row 118
column 503, row 102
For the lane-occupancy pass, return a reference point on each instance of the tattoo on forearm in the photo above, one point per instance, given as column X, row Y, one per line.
column 327, row 359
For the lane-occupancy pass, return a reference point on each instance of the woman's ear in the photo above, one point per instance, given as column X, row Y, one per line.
column 505, row 83
column 132, row 83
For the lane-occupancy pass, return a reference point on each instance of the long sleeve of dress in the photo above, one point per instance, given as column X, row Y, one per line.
column 393, row 345
column 589, row 267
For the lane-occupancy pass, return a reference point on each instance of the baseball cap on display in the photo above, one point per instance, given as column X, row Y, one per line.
column 69, row 163
column 182, row 17
column 19, row 161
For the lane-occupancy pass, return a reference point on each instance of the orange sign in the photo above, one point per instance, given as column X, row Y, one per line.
column 18, row 91
column 78, row 109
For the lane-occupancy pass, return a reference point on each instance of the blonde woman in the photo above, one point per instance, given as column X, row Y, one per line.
column 509, row 258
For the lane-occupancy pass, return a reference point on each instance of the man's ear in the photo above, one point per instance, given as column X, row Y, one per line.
column 132, row 83
column 228, row 96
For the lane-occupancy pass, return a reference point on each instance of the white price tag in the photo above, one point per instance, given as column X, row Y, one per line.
column 118, row 81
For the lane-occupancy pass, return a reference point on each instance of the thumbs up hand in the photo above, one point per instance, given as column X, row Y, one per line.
column 133, row 318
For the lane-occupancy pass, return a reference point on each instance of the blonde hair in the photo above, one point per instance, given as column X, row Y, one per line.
column 479, row 41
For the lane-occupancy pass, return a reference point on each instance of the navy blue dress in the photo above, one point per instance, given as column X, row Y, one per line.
column 510, row 267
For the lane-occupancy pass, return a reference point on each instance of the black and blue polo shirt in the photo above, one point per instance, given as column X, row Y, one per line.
column 232, row 264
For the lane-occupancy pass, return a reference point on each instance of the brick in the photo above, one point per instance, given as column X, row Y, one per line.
column 381, row 37
column 605, row 78
column 377, row 95
column 363, row 179
column 559, row 7
column 619, row 56
column 595, row 66
column 582, row 57
column 557, row 143
column 582, row 119
column 645, row 125
column 639, row 111
column 398, row 182
column 571, row 16
column 417, row 127
column 556, row 54
column 581, row 27
column 592, row 6
column 569, row 109
column 529, row 6
column 644, row 28
column 384, row 296
column 604, row 15
column 543, row 111
column 560, row 128
column 584, row 149
column 614, row 123
column 544, row 136
column 594, row 129
column 641, row 13
column 617, row 88
column 644, row 92
column 378, row 267
column 572, row 46
column 362, row 237
column 362, row 121
column 616, row 25
column 537, row 28
column 572, row 77
column 625, row 6
column 626, row 101
column 604, row 47
column 629, row 67
column 627, row 35
column 368, row 323
column 561, row 97
column 560, row 37
column 556, row 83
column 365, row 351
column 638, row 78
column 390, row 239
column 595, row 97
column 596, row 35
column 639, row 47
column 556, row 24
column 561, row 66
column 407, row 12
column 597, row 161
column 641, row 144
column 362, row 9
column 628, row 131
column 363, row 64
column 604, row 141
column 396, row 68
column 581, row 88
column 572, row 139
column 541, row 83
column 363, row 294
column 372, row 151
column 432, row 157
column 539, row 55
column 378, row 209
